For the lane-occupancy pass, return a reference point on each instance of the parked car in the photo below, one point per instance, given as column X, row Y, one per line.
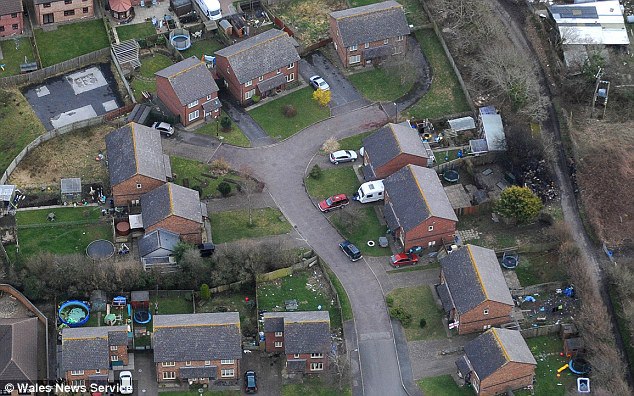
column 126, row 383
column 403, row 259
column 343, row 156
column 163, row 127
column 250, row 382
column 319, row 83
column 334, row 202
column 350, row 250
column 206, row 249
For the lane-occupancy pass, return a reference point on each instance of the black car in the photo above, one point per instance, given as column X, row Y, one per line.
column 250, row 382
column 350, row 250
column 206, row 249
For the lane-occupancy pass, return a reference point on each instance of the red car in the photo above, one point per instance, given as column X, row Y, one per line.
column 334, row 202
column 402, row 259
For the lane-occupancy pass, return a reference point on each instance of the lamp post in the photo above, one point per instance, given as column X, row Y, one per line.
column 396, row 112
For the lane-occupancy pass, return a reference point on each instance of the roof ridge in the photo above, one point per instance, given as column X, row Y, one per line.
column 78, row 338
column 398, row 143
column 277, row 36
column 185, row 69
column 397, row 5
column 420, row 189
column 477, row 272
column 136, row 160
column 306, row 321
column 172, row 326
column 499, row 342
column 171, row 198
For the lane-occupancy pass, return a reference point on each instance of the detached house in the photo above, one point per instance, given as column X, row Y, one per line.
column 201, row 348
column 304, row 337
column 497, row 361
column 19, row 351
column 369, row 34
column 188, row 90
column 417, row 209
column 136, row 162
column 54, row 11
column 174, row 208
column 473, row 291
column 89, row 353
column 11, row 17
column 260, row 65
column 391, row 148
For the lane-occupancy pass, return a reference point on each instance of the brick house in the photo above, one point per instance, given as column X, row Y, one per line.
column 497, row 361
column 201, row 348
column 369, row 34
column 188, row 90
column 174, row 208
column 136, row 162
column 260, row 65
column 391, row 148
column 304, row 337
column 19, row 352
column 55, row 11
column 11, row 17
column 417, row 209
column 89, row 353
column 473, row 291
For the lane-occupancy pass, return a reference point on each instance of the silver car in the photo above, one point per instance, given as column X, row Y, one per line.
column 163, row 127
column 319, row 83
column 343, row 156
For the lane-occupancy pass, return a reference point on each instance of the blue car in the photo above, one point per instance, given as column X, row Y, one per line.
column 250, row 382
column 350, row 250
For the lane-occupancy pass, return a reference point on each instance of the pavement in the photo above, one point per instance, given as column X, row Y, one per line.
column 249, row 127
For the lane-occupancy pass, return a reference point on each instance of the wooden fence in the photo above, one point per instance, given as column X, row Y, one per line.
column 541, row 330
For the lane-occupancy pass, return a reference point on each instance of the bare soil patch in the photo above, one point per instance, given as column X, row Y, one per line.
column 308, row 19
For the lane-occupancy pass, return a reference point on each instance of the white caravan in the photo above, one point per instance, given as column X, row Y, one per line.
column 369, row 192
column 211, row 8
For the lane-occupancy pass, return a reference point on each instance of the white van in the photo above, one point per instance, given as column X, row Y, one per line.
column 369, row 192
column 211, row 8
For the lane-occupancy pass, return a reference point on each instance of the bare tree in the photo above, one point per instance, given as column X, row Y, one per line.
column 405, row 68
column 340, row 364
column 249, row 186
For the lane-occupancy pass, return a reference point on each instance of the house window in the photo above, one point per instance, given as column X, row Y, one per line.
column 169, row 375
column 207, row 362
column 296, row 356
column 68, row 1
column 208, row 97
column 14, row 26
column 227, row 361
column 352, row 48
column 292, row 65
column 261, row 78
column 168, row 364
column 431, row 243
column 278, row 344
column 113, row 348
column 14, row 15
column 486, row 327
column 316, row 355
column 355, row 59
column 386, row 41
column 249, row 94
column 114, row 358
column 97, row 371
column 399, row 38
column 486, row 312
column 227, row 373
column 48, row 18
column 316, row 366
column 278, row 334
column 430, row 228
column 1, row 28
column 248, row 83
column 192, row 104
column 367, row 45
column 278, row 71
column 78, row 383
column 47, row 5
column 138, row 185
column 290, row 77
column 188, row 363
column 193, row 115
column 77, row 372
column 69, row 12
column 85, row 10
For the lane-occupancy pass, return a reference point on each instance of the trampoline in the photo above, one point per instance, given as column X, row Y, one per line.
column 579, row 366
column 180, row 39
column 451, row 176
column 142, row 316
column 100, row 249
column 74, row 313
column 510, row 261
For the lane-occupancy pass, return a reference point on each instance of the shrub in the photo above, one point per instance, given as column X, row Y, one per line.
column 422, row 323
column 322, row 97
column 224, row 188
column 389, row 300
column 519, row 203
column 289, row 111
column 220, row 166
column 225, row 123
column 402, row 315
column 315, row 172
column 330, row 145
column 205, row 294
column 255, row 99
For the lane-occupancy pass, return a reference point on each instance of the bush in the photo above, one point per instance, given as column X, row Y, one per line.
column 255, row 99
column 402, row 315
column 389, row 300
column 315, row 172
column 204, row 292
column 224, row 188
column 519, row 203
column 220, row 166
column 322, row 97
column 225, row 123
column 330, row 145
column 422, row 323
column 289, row 111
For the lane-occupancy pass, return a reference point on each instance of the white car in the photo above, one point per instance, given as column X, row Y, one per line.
column 163, row 127
column 126, row 383
column 319, row 83
column 343, row 156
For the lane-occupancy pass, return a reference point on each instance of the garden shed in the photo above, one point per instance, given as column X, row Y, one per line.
column 140, row 299
column 71, row 189
column 98, row 301
column 7, row 192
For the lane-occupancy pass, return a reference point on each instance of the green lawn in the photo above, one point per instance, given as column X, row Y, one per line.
column 135, row 31
column 346, row 308
column 233, row 136
column 354, row 142
column 234, row 225
column 546, row 351
column 359, row 225
column 445, row 96
column 65, row 239
column 419, row 302
column 443, row 385
column 313, row 387
column 26, row 217
column 20, row 126
column 198, row 175
column 232, row 302
column 338, row 180
column 13, row 55
column 271, row 295
column 146, row 81
column 448, row 154
column 271, row 118
column 535, row 268
column 378, row 85
column 172, row 305
column 70, row 41
column 202, row 47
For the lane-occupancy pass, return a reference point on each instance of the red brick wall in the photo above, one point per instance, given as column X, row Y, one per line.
column 57, row 8
column 7, row 21
column 122, row 352
column 126, row 191
column 190, row 231
column 85, row 375
column 420, row 235
column 269, row 342
column 200, row 363
column 475, row 320
column 166, row 94
column 398, row 162
column 310, row 360
column 511, row 376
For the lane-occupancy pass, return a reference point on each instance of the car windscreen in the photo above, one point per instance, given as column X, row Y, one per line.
column 329, row 201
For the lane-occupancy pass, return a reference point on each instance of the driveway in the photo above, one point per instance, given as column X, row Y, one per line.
column 344, row 96
column 249, row 127
column 144, row 374
column 267, row 369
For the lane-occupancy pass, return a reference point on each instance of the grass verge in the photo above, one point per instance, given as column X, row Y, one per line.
column 70, row 41
column 339, row 180
column 354, row 142
column 378, row 84
column 420, row 303
column 314, row 387
column 234, row 225
column 360, row 224
column 346, row 307
column 233, row 136
column 443, row 385
column 135, row 31
column 196, row 175
column 14, row 52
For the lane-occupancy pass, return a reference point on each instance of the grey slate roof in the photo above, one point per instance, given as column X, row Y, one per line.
column 416, row 194
column 304, row 331
column 203, row 336
column 170, row 200
column 272, row 82
column 135, row 149
column 70, row 185
column 158, row 239
column 190, row 79
column 18, row 354
column 495, row 348
column 390, row 141
column 198, row 372
column 473, row 275
column 10, row 7
column 87, row 348
column 260, row 54
column 463, row 366
column 370, row 23
column 445, row 298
